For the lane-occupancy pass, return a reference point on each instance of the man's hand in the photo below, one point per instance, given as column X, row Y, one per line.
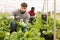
column 35, row 16
column 22, row 23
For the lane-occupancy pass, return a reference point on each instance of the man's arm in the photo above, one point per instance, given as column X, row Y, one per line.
column 14, row 16
column 26, row 20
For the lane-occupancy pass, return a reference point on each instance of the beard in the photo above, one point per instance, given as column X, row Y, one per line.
column 22, row 12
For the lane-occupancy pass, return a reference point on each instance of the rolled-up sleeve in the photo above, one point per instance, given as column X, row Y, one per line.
column 14, row 14
column 26, row 20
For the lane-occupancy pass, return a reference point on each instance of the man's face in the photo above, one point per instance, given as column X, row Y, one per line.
column 32, row 9
column 23, row 9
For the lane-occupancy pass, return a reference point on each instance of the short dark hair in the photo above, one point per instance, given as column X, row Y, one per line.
column 32, row 8
column 24, row 4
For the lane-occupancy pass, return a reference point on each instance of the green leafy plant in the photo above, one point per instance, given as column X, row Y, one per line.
column 32, row 32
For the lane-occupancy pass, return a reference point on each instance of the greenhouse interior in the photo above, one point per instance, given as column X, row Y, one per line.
column 29, row 20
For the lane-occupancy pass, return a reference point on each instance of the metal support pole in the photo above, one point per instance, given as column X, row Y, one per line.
column 47, row 12
column 54, row 19
column 43, row 7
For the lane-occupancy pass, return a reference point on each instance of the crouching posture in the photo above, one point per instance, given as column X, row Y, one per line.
column 46, row 36
column 18, row 15
column 32, row 15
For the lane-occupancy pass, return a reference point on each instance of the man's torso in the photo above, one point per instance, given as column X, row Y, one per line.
column 18, row 15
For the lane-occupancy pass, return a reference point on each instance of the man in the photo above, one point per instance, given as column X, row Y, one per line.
column 20, row 14
column 32, row 14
